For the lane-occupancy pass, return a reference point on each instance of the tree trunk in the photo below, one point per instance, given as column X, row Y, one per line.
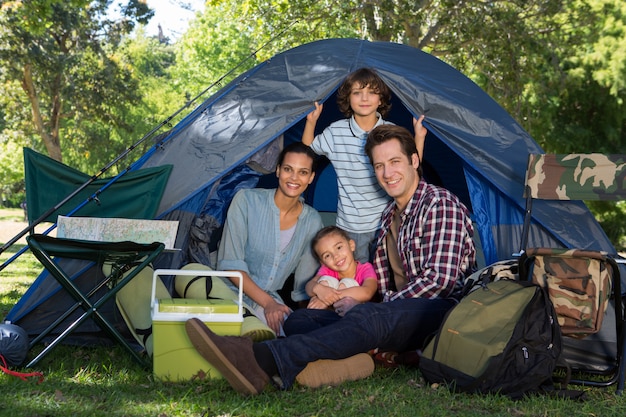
column 50, row 139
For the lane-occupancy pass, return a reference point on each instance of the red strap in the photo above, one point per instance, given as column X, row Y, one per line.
column 23, row 376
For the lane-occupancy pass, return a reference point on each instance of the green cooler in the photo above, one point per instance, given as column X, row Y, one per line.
column 174, row 357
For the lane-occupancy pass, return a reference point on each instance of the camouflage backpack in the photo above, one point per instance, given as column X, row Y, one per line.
column 578, row 282
column 504, row 269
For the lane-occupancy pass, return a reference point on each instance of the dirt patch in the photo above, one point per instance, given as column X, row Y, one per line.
column 10, row 228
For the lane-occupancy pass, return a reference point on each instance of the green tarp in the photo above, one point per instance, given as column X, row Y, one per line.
column 135, row 195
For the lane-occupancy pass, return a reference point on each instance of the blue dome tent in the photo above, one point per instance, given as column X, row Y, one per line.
column 474, row 148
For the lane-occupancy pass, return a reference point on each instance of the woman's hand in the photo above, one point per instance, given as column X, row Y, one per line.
column 275, row 314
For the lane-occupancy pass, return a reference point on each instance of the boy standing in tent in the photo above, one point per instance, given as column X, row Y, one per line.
column 365, row 99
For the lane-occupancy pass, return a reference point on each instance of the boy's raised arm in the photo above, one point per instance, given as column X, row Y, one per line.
column 420, row 136
column 308, row 135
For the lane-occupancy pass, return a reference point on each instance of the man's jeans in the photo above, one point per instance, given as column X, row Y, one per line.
column 399, row 325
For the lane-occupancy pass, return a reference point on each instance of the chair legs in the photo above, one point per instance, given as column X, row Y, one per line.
column 45, row 247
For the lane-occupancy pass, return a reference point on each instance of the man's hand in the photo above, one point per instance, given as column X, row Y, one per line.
column 344, row 305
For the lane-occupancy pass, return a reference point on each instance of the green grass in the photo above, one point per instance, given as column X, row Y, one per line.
column 105, row 381
column 16, row 277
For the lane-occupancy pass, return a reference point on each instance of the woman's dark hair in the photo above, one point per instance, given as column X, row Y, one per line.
column 297, row 147
column 387, row 132
column 364, row 77
column 325, row 231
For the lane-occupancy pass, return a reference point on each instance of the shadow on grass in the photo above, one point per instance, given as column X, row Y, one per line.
column 7, row 300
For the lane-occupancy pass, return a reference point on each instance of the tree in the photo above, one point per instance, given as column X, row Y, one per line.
column 62, row 53
column 494, row 42
column 12, row 191
column 152, row 60
column 215, row 42
column 580, row 104
column 230, row 37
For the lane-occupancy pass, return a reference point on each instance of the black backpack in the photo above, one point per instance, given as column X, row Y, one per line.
column 502, row 337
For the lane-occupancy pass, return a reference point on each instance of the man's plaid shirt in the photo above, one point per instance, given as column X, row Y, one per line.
column 434, row 243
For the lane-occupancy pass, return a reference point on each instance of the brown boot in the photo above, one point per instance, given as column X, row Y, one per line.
column 334, row 372
column 232, row 356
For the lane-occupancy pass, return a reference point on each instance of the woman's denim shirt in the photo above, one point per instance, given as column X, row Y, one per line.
column 251, row 240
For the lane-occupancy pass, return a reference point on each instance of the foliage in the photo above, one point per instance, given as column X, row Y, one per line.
column 231, row 36
column 578, row 104
column 607, row 55
column 12, row 191
column 62, row 53
column 11, row 143
column 558, row 67
column 216, row 42
column 539, row 59
column 496, row 43
column 612, row 218
column 151, row 61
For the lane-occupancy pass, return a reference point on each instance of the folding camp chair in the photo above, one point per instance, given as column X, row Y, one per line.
column 121, row 255
column 580, row 282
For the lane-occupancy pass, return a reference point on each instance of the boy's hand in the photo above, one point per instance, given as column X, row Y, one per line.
column 315, row 114
column 418, row 127
column 420, row 136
